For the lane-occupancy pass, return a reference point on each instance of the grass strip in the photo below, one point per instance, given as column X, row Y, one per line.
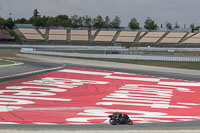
column 6, row 62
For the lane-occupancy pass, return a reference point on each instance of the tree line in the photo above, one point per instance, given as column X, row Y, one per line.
column 76, row 21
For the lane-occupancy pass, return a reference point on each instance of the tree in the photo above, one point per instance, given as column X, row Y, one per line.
column 61, row 20
column 98, row 22
column 176, row 25
column 36, row 13
column 107, row 22
column 87, row 21
column 62, row 17
column 168, row 25
column 116, row 22
column 51, row 21
column 38, row 21
column 2, row 21
column 150, row 24
column 69, row 23
column 9, row 23
column 192, row 26
column 80, row 22
column 133, row 24
column 21, row 21
column 75, row 21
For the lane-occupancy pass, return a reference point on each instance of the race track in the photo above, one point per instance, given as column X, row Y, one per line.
column 76, row 95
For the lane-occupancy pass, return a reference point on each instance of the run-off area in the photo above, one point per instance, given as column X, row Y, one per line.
column 88, row 96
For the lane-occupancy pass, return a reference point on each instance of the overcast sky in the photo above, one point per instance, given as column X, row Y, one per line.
column 162, row 11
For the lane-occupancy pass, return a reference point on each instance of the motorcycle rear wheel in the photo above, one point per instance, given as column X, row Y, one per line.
column 130, row 122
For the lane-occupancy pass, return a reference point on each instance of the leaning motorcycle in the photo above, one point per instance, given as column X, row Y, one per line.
column 119, row 118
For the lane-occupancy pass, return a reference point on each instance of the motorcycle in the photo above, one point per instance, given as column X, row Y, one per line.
column 119, row 118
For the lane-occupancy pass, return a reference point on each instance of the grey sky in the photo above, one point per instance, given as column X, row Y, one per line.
column 162, row 11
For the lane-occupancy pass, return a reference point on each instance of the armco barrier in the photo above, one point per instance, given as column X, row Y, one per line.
column 67, row 47
column 71, row 47
column 114, row 56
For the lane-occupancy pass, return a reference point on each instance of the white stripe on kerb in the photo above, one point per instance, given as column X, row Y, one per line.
column 134, row 78
column 36, row 98
column 85, row 72
column 179, row 83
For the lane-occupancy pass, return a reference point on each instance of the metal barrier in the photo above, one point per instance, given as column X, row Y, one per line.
column 61, row 47
column 72, row 47
column 114, row 56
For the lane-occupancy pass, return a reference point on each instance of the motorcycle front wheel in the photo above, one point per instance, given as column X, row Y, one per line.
column 113, row 122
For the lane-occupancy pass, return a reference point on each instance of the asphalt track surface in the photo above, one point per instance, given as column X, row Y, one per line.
column 28, row 66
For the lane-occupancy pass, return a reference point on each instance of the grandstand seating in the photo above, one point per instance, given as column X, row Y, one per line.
column 79, row 32
column 125, row 39
column 107, row 33
column 30, row 34
column 152, row 37
column 33, row 36
column 126, row 36
column 105, row 36
column 129, row 37
column 27, row 31
column 57, row 35
column 128, row 33
column 57, row 32
column 43, row 31
column 171, row 40
column 190, row 34
column 79, row 38
column 79, row 35
column 142, row 33
column 173, row 37
column 149, row 40
column 103, row 39
column 193, row 40
column 197, row 35
column 176, row 34
column 154, row 34
column 93, row 32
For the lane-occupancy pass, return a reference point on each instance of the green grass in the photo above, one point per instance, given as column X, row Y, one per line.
column 10, row 49
column 6, row 62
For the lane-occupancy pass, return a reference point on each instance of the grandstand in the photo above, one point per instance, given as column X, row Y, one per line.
column 192, row 39
column 30, row 34
column 142, row 33
column 79, row 35
column 43, row 31
column 57, row 35
column 126, row 36
column 93, row 32
column 152, row 37
column 173, row 38
column 105, row 36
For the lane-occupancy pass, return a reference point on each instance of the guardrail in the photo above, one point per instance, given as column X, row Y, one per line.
column 72, row 47
column 61, row 47
column 113, row 56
